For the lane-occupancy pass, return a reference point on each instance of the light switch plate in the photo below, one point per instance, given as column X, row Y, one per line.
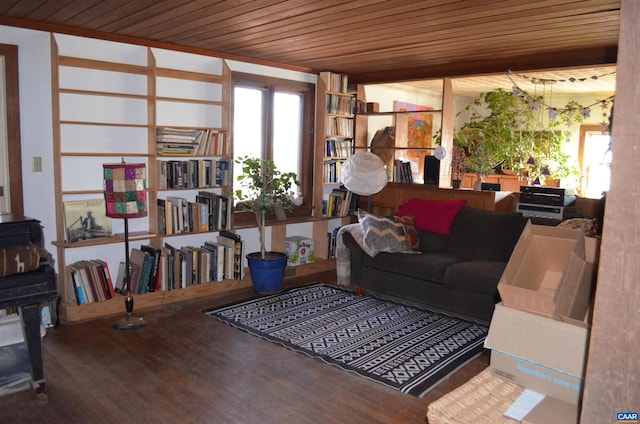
column 36, row 164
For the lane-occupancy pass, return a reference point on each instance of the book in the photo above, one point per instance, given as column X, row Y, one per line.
column 76, row 284
column 218, row 256
column 155, row 254
column 238, row 252
column 119, row 287
column 87, row 286
column 137, row 260
column 229, row 257
column 100, row 279
column 107, row 276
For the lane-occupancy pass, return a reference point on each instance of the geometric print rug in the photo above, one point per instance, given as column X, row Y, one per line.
column 404, row 347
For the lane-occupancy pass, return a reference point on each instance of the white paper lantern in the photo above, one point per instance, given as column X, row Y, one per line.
column 364, row 174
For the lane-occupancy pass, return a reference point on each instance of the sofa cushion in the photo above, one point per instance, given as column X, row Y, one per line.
column 383, row 234
column 432, row 242
column 485, row 235
column 411, row 232
column 424, row 266
column 435, row 216
column 475, row 276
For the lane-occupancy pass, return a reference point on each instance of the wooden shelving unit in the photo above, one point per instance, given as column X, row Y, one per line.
column 109, row 98
column 407, row 144
column 76, row 313
column 335, row 110
column 108, row 101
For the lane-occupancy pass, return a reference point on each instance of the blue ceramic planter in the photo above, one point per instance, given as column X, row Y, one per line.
column 267, row 274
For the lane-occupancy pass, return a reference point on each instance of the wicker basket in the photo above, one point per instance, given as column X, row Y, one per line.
column 482, row 400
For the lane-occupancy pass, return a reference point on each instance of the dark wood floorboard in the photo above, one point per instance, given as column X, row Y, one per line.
column 187, row 367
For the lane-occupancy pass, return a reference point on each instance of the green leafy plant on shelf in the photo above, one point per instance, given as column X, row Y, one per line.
column 263, row 188
column 508, row 130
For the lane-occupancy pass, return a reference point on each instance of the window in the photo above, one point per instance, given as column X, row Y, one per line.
column 272, row 119
column 595, row 161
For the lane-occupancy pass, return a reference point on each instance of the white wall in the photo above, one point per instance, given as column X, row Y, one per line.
column 36, row 127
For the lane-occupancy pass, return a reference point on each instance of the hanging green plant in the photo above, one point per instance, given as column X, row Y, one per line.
column 508, row 129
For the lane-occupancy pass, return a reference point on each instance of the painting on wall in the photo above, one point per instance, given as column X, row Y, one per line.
column 414, row 132
column 419, row 126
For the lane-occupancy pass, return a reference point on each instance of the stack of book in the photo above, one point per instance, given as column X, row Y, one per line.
column 189, row 142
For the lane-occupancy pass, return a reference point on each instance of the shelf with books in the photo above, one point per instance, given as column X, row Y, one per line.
column 114, row 102
column 180, row 173
column 336, row 113
column 399, row 132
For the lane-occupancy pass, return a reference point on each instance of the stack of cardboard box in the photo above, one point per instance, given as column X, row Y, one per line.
column 539, row 334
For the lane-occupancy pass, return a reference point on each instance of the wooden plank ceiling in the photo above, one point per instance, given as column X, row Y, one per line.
column 371, row 40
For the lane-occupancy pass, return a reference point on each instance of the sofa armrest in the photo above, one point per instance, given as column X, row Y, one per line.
column 357, row 257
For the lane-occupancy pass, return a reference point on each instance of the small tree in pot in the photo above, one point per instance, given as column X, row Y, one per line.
column 264, row 187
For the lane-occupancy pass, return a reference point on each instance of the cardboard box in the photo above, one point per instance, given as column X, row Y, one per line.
column 549, row 274
column 542, row 354
column 300, row 250
column 552, row 411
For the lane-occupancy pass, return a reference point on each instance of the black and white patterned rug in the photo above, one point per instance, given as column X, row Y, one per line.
column 404, row 347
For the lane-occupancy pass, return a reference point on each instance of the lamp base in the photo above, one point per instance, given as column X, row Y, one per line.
column 129, row 323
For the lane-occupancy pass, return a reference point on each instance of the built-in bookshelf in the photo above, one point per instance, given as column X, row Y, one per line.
column 116, row 102
column 336, row 113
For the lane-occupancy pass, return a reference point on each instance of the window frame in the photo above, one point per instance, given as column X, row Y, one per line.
column 270, row 85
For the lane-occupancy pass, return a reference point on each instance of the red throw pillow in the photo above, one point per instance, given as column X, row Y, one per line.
column 435, row 216
column 410, row 229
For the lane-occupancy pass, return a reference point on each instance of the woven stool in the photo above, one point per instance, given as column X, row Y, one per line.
column 482, row 400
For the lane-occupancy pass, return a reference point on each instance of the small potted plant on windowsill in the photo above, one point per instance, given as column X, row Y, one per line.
column 264, row 187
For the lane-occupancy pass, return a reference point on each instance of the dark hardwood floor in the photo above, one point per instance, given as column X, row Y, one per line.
column 187, row 367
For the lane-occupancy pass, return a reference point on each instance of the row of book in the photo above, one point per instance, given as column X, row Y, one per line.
column 208, row 212
column 159, row 269
column 341, row 202
column 89, row 281
column 331, row 243
column 331, row 171
column 339, row 126
column 340, row 105
column 189, row 142
column 405, row 171
column 193, row 173
column 339, row 147
column 335, row 82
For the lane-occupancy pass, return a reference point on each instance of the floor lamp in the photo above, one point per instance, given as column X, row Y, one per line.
column 126, row 197
column 364, row 174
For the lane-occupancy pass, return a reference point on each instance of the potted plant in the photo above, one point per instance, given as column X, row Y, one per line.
column 507, row 130
column 263, row 188
column 458, row 166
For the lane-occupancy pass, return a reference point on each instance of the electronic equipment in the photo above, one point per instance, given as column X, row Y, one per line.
column 431, row 170
column 490, row 187
column 551, row 196
column 536, row 210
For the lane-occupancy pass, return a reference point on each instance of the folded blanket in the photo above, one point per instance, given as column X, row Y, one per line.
column 343, row 254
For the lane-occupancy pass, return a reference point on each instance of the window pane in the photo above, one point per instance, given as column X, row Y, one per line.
column 247, row 124
column 597, row 164
column 287, row 132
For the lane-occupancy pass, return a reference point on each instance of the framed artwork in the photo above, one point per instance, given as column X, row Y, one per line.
column 86, row 219
column 419, row 126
